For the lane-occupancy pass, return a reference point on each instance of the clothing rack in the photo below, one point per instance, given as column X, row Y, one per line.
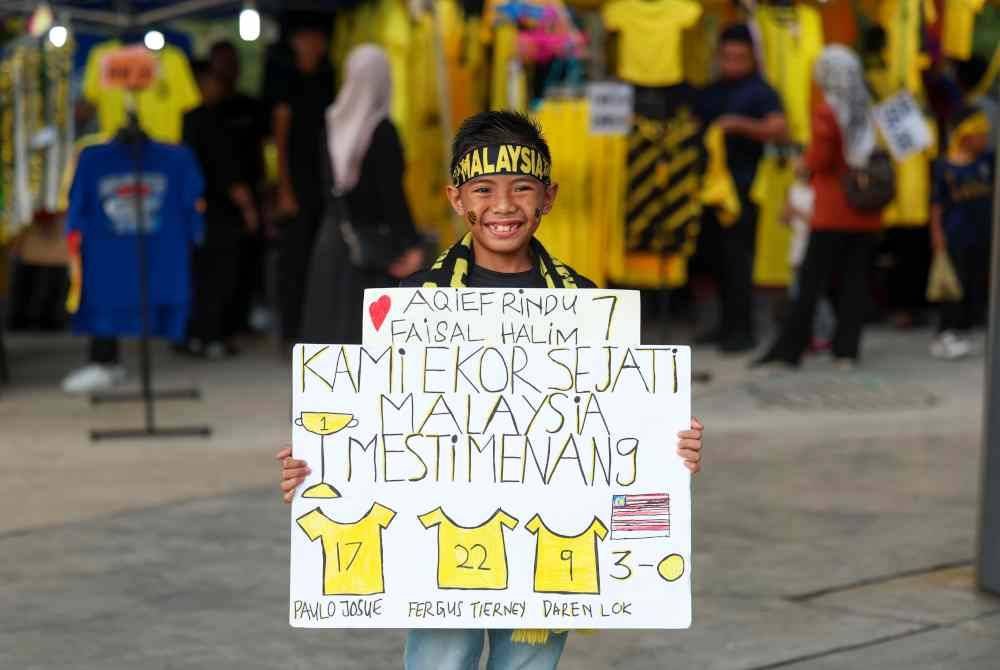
column 133, row 136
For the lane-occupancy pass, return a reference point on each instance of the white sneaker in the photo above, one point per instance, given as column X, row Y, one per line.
column 950, row 346
column 93, row 377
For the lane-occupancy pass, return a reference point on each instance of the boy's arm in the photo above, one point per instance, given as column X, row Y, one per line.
column 689, row 445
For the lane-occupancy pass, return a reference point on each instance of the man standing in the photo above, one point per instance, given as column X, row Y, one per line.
column 299, row 123
column 230, row 211
column 749, row 112
column 244, row 120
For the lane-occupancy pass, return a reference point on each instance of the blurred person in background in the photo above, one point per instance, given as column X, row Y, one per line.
column 230, row 214
column 298, row 136
column 843, row 239
column 245, row 119
column 750, row 114
column 366, row 173
column 961, row 225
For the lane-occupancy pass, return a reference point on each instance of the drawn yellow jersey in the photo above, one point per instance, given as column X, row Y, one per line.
column 566, row 564
column 471, row 557
column 352, row 552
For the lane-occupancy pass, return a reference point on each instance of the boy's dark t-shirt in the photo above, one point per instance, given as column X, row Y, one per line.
column 965, row 193
column 480, row 277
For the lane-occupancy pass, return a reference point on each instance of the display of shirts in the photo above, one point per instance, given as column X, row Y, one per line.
column 649, row 40
column 471, row 557
column 352, row 552
column 965, row 194
column 102, row 209
column 566, row 563
column 959, row 23
column 160, row 107
column 904, row 57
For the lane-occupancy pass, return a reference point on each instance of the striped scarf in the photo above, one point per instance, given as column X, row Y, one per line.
column 452, row 267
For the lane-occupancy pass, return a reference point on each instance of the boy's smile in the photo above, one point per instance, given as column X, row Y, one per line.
column 503, row 212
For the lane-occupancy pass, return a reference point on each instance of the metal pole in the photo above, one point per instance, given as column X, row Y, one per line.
column 988, row 553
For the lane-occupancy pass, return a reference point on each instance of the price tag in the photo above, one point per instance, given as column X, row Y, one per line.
column 903, row 126
column 132, row 68
column 611, row 105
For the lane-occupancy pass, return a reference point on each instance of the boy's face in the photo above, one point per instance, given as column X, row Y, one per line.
column 503, row 211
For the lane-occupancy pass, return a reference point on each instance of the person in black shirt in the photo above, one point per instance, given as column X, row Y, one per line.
column 298, row 137
column 245, row 120
column 750, row 114
column 501, row 187
column 230, row 211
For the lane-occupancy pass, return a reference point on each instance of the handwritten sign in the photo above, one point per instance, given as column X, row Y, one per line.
column 903, row 125
column 471, row 485
column 132, row 68
column 611, row 105
column 500, row 316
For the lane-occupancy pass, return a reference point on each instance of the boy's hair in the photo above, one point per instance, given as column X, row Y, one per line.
column 500, row 127
column 738, row 33
column 201, row 68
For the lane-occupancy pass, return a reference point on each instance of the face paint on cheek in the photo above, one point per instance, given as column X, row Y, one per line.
column 471, row 218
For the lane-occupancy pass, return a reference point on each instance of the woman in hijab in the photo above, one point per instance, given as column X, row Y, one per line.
column 365, row 179
column 842, row 239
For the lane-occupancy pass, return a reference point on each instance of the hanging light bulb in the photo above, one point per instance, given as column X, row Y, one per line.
column 58, row 36
column 249, row 23
column 154, row 40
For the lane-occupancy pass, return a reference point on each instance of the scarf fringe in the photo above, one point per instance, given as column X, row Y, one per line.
column 535, row 636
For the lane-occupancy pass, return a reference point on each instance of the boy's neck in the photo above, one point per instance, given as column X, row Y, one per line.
column 519, row 261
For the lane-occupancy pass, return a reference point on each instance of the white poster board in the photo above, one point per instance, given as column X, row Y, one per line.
column 500, row 316
column 479, row 486
column 903, row 125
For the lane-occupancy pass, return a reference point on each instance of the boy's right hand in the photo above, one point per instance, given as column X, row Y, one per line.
column 293, row 473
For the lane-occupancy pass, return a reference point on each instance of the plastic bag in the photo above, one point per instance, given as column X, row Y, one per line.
column 943, row 284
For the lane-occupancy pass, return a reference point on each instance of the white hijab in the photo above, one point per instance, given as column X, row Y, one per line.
column 362, row 103
column 840, row 77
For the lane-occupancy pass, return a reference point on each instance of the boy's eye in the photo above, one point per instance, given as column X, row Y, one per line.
column 481, row 189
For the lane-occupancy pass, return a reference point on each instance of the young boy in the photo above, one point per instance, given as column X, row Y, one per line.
column 961, row 223
column 502, row 208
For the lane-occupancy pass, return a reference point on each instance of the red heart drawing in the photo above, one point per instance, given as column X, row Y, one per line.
column 378, row 310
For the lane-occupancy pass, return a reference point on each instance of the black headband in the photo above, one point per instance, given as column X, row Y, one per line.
column 501, row 159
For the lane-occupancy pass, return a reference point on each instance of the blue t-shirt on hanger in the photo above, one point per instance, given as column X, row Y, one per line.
column 102, row 207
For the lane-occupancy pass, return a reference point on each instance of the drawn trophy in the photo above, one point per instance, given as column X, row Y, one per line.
column 323, row 424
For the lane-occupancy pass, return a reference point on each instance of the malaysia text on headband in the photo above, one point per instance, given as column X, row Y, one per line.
column 501, row 159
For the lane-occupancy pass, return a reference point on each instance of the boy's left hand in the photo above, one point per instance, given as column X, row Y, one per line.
column 689, row 445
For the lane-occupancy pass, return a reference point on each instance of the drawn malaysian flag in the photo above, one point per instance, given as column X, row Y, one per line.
column 634, row 517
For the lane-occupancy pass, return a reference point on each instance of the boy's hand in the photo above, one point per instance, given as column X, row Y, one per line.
column 689, row 445
column 293, row 473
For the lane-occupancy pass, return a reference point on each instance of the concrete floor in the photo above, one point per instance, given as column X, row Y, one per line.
column 835, row 524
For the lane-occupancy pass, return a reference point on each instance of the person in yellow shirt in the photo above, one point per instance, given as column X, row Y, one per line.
column 352, row 552
column 471, row 557
column 749, row 112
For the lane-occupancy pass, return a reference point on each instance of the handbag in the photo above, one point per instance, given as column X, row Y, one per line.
column 368, row 247
column 872, row 187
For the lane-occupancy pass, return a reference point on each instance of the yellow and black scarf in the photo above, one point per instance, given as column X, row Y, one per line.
column 452, row 267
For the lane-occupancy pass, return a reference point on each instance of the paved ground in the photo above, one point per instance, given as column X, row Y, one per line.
column 835, row 525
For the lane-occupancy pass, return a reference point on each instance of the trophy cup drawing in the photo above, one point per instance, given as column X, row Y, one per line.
column 323, row 424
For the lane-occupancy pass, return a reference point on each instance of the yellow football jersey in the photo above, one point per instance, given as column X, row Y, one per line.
column 649, row 47
column 352, row 552
column 564, row 563
column 471, row 557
